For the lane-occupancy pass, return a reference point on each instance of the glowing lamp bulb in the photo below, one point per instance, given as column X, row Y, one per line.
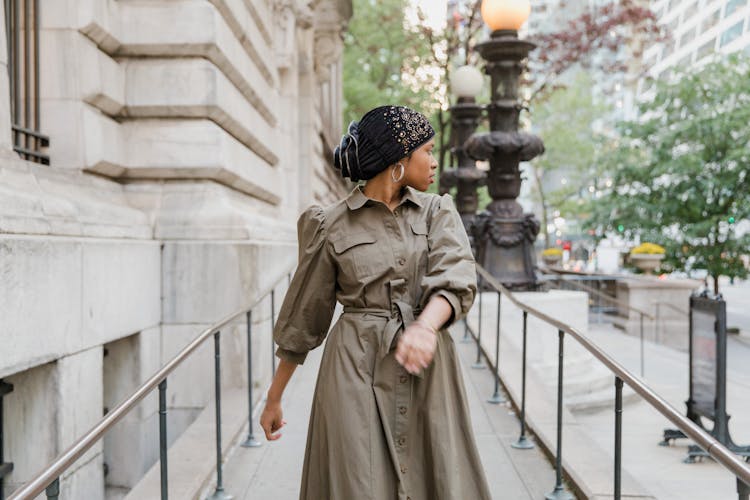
column 505, row 14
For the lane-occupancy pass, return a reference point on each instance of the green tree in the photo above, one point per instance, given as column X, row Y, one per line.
column 681, row 171
column 562, row 176
column 383, row 59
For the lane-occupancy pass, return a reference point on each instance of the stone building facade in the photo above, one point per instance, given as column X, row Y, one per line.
column 184, row 138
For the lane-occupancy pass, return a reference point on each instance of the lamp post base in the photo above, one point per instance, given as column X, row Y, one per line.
column 505, row 248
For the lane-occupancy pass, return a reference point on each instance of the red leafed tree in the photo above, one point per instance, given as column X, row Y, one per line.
column 610, row 37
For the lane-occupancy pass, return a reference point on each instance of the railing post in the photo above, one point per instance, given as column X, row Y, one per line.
column 618, row 437
column 466, row 338
column 523, row 443
column 496, row 398
column 219, row 493
column 657, row 327
column 250, row 442
column 53, row 490
column 273, row 325
column 163, row 438
column 743, row 490
column 5, row 468
column 478, row 364
column 642, row 347
column 559, row 493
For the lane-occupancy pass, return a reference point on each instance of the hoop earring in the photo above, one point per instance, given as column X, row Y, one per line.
column 403, row 171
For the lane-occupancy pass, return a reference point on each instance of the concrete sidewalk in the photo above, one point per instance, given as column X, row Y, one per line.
column 274, row 469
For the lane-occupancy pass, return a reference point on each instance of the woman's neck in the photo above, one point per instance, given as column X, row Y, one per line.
column 384, row 190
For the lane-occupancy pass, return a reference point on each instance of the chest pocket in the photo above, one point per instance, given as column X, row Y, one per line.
column 420, row 246
column 357, row 254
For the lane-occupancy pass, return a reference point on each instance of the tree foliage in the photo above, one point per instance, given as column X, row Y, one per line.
column 562, row 176
column 384, row 61
column 681, row 171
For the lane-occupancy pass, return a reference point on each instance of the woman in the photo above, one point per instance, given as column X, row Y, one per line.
column 389, row 417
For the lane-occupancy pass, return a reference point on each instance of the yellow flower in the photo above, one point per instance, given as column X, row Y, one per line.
column 648, row 248
column 551, row 252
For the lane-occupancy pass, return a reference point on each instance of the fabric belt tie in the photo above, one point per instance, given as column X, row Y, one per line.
column 404, row 315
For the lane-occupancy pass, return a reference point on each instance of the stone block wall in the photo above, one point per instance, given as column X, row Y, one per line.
column 185, row 138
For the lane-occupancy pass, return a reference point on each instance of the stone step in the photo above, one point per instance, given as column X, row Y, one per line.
column 599, row 400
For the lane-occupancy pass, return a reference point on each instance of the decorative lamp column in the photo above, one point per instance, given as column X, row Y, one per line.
column 503, row 234
column 466, row 84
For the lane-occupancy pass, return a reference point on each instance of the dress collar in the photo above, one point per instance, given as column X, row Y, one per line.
column 357, row 198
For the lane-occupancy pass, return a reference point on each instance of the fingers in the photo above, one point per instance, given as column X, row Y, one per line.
column 271, row 422
column 415, row 349
column 275, row 427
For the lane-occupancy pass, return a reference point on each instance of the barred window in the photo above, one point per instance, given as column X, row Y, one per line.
column 22, row 30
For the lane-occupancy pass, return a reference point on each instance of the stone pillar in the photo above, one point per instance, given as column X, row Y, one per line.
column 6, row 142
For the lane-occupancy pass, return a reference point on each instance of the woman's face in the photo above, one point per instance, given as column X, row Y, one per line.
column 421, row 167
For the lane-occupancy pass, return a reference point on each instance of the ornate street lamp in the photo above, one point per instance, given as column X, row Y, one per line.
column 503, row 234
column 466, row 84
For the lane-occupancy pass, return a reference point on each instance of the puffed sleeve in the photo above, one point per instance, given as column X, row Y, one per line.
column 308, row 306
column 451, row 270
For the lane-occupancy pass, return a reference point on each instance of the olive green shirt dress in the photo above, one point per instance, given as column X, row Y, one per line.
column 376, row 432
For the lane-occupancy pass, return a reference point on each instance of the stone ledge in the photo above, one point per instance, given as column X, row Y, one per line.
column 202, row 31
column 177, row 149
column 198, row 90
column 195, row 210
column 37, row 200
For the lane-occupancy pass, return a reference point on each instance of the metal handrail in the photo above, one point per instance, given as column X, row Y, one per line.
column 53, row 471
column 604, row 296
column 713, row 447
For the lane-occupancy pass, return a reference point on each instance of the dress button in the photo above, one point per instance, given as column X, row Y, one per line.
column 401, row 441
column 402, row 410
column 403, row 379
column 401, row 262
column 403, row 470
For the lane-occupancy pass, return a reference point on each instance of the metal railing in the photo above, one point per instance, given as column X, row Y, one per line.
column 620, row 305
column 714, row 448
column 49, row 478
column 5, row 467
column 22, row 32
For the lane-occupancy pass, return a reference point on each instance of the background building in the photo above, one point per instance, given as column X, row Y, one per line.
column 182, row 139
column 698, row 29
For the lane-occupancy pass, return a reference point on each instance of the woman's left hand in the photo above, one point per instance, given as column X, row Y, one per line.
column 416, row 347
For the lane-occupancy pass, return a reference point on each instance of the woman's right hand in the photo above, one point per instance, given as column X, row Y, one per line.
column 271, row 420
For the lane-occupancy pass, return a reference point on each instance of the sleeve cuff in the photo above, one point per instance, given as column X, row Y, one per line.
column 293, row 357
column 455, row 305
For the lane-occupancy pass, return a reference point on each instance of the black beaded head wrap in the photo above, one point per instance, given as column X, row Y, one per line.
column 383, row 136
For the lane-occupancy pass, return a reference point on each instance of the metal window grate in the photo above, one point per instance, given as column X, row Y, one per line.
column 22, row 31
